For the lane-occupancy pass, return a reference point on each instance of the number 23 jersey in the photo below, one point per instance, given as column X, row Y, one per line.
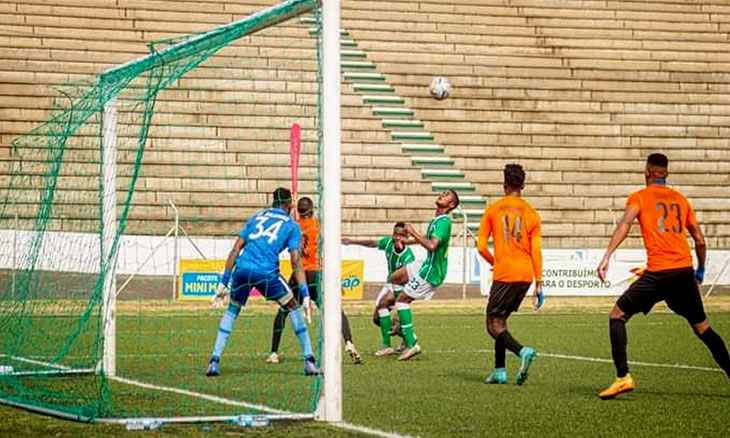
column 664, row 214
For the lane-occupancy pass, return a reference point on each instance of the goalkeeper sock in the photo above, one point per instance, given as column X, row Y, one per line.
column 224, row 330
column 500, row 351
column 718, row 349
column 617, row 329
column 300, row 329
column 279, row 324
column 385, row 325
column 406, row 323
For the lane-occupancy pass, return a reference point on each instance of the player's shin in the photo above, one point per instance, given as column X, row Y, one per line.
column 300, row 330
column 279, row 323
column 224, row 330
column 500, row 351
column 510, row 343
column 618, row 346
column 385, row 324
column 406, row 323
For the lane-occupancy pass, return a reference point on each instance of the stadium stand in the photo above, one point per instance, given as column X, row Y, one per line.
column 578, row 91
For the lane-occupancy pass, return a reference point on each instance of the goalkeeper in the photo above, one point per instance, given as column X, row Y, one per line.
column 256, row 257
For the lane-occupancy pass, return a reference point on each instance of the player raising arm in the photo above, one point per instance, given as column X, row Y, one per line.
column 422, row 278
column 514, row 227
column 256, row 257
column 665, row 216
column 397, row 255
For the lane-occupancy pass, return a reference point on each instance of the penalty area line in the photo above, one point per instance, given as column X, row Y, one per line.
column 631, row 362
column 594, row 359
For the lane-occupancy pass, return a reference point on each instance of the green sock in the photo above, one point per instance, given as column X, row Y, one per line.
column 406, row 323
column 385, row 324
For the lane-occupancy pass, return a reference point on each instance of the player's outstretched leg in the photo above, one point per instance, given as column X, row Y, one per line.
column 300, row 330
column 224, row 330
column 409, row 336
column 716, row 345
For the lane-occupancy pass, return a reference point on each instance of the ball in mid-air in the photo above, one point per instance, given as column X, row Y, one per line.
column 440, row 88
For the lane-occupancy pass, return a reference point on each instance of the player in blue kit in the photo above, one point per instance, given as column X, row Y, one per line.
column 256, row 257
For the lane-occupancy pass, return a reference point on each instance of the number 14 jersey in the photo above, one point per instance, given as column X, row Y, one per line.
column 664, row 214
column 515, row 230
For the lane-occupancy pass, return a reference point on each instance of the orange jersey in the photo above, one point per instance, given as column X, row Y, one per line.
column 664, row 214
column 310, row 243
column 515, row 230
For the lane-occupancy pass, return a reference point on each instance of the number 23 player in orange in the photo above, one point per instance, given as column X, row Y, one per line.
column 665, row 216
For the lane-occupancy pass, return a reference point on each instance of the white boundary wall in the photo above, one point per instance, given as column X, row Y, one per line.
column 79, row 252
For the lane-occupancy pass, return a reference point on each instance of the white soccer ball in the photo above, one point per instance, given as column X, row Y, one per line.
column 440, row 88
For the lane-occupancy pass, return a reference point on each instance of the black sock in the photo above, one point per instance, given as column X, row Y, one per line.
column 346, row 332
column 718, row 349
column 500, row 351
column 510, row 343
column 617, row 328
column 279, row 323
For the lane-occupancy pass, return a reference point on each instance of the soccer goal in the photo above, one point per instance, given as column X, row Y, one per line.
column 198, row 129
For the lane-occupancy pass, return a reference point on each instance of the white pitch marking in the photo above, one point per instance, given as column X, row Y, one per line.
column 213, row 398
column 368, row 430
column 203, row 396
column 631, row 362
column 589, row 359
column 38, row 362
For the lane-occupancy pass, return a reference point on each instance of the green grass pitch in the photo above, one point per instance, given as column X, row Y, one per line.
column 441, row 392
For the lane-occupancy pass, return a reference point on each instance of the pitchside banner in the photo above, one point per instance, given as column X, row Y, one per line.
column 199, row 278
column 352, row 277
column 571, row 272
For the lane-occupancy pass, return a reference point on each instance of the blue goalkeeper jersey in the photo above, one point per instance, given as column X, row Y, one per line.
column 266, row 235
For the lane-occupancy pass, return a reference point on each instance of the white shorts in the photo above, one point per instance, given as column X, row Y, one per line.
column 387, row 287
column 417, row 288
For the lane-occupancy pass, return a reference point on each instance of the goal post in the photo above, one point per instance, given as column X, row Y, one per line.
column 331, row 407
column 108, row 253
column 140, row 355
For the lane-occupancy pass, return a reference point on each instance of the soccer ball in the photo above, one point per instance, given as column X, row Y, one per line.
column 440, row 88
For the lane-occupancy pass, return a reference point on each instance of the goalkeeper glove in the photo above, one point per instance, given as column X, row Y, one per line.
column 307, row 309
column 220, row 295
column 700, row 274
column 540, row 300
column 306, row 302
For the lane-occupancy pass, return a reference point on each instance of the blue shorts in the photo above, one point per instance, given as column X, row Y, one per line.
column 271, row 285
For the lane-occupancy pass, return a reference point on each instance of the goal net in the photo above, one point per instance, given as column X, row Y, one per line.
column 116, row 214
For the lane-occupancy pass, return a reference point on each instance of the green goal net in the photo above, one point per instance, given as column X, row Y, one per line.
column 116, row 214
